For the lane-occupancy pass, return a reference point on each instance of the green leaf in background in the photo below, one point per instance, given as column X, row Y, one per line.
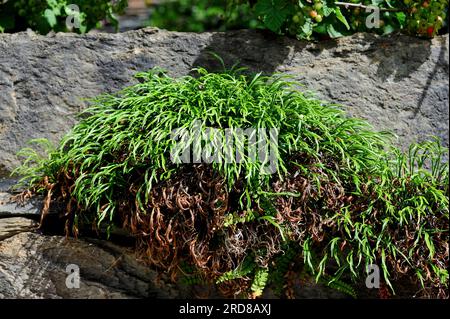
column 389, row 4
column 327, row 10
column 52, row 3
column 332, row 32
column 401, row 18
column 46, row 15
column 6, row 22
column 321, row 28
column 388, row 29
column 307, row 28
column 83, row 29
column 377, row 2
column 50, row 17
column 274, row 13
column 57, row 11
column 113, row 19
column 341, row 17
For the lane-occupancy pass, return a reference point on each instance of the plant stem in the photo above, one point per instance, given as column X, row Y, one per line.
column 360, row 5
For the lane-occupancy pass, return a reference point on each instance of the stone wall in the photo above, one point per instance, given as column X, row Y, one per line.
column 397, row 82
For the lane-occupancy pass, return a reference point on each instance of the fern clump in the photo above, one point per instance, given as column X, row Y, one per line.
column 341, row 196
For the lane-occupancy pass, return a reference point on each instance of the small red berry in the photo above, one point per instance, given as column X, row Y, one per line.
column 430, row 31
column 313, row 14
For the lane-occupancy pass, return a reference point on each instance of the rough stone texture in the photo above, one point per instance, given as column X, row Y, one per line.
column 35, row 266
column 12, row 226
column 9, row 208
column 6, row 184
column 30, row 208
column 397, row 82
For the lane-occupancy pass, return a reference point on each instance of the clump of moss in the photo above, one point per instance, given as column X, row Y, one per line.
column 342, row 196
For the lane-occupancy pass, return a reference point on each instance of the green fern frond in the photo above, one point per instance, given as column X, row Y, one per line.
column 259, row 281
column 244, row 269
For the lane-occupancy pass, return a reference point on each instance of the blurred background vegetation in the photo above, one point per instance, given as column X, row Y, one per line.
column 304, row 19
column 201, row 15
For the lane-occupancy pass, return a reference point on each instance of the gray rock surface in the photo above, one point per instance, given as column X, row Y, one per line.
column 6, row 184
column 397, row 82
column 35, row 266
column 15, row 225
column 9, row 208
